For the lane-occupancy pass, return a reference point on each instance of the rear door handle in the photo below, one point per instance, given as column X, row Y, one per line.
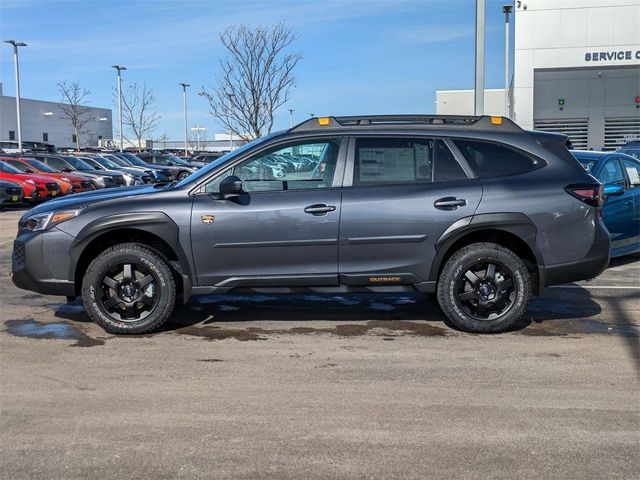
column 449, row 203
column 319, row 209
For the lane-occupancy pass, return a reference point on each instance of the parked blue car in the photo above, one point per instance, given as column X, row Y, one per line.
column 620, row 174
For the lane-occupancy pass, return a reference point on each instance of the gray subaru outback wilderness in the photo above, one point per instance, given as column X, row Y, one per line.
column 474, row 209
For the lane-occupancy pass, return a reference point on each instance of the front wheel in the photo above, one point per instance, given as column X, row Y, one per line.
column 484, row 287
column 129, row 288
column 183, row 175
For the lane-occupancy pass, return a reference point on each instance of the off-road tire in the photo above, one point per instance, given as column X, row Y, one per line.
column 459, row 263
column 163, row 283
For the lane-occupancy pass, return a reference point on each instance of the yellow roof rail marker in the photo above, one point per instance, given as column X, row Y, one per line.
column 323, row 120
column 496, row 120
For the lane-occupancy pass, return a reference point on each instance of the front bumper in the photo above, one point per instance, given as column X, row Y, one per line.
column 590, row 266
column 40, row 263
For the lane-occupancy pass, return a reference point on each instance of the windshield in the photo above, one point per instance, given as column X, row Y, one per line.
column 204, row 171
column 105, row 162
column 134, row 160
column 589, row 163
column 42, row 167
column 79, row 164
column 6, row 168
column 116, row 160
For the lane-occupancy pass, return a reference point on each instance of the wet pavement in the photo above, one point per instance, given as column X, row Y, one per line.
column 318, row 386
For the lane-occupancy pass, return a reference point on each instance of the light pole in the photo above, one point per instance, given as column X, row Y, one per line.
column 17, row 44
column 290, row 117
column 478, row 108
column 119, row 68
column 184, row 101
column 506, row 9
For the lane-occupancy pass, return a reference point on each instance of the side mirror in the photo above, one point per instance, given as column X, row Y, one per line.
column 66, row 169
column 613, row 189
column 231, row 187
column 28, row 170
column 171, row 164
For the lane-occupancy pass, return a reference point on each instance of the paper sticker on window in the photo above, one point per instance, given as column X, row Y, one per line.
column 633, row 175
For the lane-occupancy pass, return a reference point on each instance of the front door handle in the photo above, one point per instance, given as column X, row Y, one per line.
column 449, row 203
column 319, row 209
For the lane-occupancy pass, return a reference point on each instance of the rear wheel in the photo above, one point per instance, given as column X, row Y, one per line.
column 484, row 287
column 129, row 288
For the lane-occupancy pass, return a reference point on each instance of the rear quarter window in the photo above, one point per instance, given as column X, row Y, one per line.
column 489, row 160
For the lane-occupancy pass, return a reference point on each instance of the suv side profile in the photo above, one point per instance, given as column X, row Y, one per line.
column 473, row 209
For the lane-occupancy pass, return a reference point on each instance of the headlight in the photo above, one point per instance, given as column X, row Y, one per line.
column 65, row 179
column 42, row 221
column 30, row 181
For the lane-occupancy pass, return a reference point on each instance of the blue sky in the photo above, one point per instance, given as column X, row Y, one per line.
column 359, row 57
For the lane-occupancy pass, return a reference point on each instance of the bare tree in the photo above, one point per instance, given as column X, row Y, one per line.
column 138, row 112
column 73, row 101
column 256, row 78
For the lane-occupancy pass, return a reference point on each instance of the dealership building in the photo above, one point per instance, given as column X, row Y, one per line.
column 44, row 122
column 576, row 71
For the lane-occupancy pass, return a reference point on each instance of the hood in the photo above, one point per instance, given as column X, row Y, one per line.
column 92, row 197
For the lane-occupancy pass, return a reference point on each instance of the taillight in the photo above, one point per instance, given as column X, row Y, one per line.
column 591, row 194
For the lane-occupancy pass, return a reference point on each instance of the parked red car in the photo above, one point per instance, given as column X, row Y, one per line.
column 37, row 188
column 31, row 165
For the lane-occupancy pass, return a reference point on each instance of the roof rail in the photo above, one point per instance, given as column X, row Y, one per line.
column 483, row 122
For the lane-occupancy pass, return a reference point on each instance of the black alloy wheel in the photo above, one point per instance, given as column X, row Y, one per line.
column 486, row 290
column 129, row 292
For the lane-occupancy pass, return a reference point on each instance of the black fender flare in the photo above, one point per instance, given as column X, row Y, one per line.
column 155, row 223
column 517, row 224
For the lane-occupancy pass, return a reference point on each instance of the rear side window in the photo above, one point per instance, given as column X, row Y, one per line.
column 490, row 160
column 381, row 161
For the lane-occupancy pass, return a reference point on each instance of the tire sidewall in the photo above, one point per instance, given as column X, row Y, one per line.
column 165, row 289
column 460, row 263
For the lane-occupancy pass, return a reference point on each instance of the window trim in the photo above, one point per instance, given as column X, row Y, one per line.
column 199, row 188
column 351, row 161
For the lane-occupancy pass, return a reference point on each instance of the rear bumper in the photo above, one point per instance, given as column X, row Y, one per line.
column 590, row 266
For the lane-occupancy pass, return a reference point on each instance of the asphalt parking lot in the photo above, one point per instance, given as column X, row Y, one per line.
column 323, row 386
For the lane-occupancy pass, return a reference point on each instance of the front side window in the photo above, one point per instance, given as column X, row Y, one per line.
column 12, row 134
column 45, row 137
column 489, row 160
column 633, row 172
column 612, row 172
column 380, row 161
column 296, row 166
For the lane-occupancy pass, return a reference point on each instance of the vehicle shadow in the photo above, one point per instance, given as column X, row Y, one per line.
column 556, row 313
column 559, row 312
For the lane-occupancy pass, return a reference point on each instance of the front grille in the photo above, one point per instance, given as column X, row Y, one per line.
column 17, row 259
column 147, row 179
column 13, row 191
column 53, row 187
column 86, row 185
column 119, row 180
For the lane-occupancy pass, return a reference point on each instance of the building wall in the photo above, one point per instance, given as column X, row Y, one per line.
column 461, row 102
column 59, row 129
column 564, row 34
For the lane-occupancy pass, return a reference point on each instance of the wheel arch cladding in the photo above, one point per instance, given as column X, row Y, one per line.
column 514, row 231
column 153, row 229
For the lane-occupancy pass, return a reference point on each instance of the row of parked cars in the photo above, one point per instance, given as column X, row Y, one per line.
column 37, row 176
